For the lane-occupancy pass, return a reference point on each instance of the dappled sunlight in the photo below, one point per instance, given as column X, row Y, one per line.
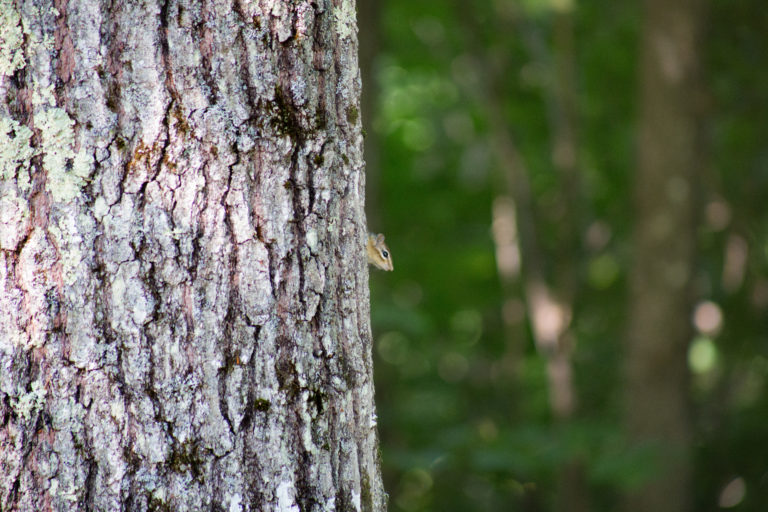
column 732, row 493
column 708, row 318
column 549, row 317
column 505, row 236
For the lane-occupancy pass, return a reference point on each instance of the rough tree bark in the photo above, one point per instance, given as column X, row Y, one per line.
column 184, row 316
column 665, row 238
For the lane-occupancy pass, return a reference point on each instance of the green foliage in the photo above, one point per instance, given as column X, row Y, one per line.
column 464, row 412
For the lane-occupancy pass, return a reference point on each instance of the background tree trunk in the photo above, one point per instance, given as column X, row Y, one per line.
column 369, row 15
column 665, row 237
column 184, row 316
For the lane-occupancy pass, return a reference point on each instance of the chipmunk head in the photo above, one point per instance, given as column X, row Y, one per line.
column 378, row 252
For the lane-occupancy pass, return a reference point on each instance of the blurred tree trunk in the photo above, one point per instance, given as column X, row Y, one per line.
column 521, row 261
column 550, row 302
column 572, row 494
column 661, row 295
column 184, row 317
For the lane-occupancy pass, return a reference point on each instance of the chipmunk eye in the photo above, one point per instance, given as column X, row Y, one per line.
column 385, row 254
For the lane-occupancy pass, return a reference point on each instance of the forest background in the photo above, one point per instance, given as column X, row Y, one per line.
column 503, row 165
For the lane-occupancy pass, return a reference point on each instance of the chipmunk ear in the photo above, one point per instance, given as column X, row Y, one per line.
column 379, row 238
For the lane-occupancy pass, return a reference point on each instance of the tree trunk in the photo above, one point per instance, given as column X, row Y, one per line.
column 184, row 316
column 661, row 297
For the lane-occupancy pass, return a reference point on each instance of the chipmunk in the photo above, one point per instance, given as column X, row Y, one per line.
column 378, row 252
